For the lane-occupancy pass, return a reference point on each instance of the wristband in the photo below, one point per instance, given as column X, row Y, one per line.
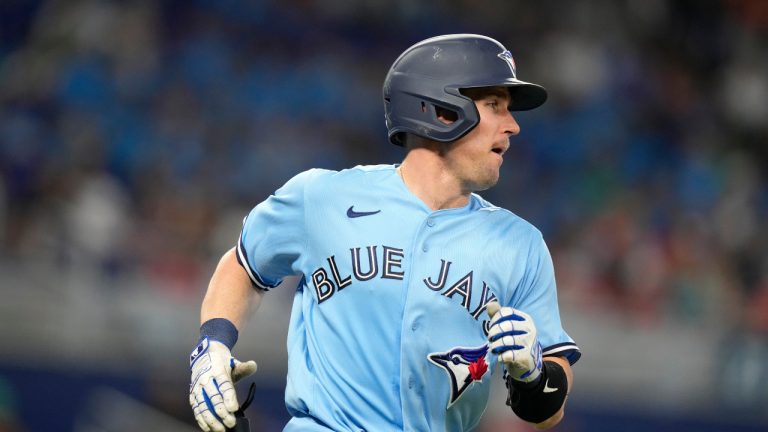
column 220, row 330
column 538, row 403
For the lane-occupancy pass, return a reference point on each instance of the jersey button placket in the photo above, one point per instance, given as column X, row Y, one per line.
column 430, row 223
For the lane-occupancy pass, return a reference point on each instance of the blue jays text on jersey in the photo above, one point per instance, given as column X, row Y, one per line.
column 391, row 265
column 387, row 329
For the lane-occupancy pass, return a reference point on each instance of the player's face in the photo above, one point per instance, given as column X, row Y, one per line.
column 475, row 158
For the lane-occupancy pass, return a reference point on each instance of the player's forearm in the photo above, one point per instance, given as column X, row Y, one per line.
column 558, row 416
column 214, row 370
column 230, row 294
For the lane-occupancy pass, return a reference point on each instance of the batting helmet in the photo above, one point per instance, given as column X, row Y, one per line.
column 432, row 72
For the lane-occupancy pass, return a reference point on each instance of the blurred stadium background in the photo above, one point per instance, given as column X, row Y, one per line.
column 135, row 135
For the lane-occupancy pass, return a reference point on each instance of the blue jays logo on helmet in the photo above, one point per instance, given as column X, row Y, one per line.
column 464, row 366
column 507, row 57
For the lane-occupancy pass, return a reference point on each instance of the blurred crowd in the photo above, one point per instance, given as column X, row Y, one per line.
column 134, row 136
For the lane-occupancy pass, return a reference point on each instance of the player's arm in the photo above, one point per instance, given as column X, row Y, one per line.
column 270, row 243
column 230, row 293
column 537, row 387
column 228, row 300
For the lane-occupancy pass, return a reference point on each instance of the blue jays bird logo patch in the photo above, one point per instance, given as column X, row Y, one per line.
column 464, row 366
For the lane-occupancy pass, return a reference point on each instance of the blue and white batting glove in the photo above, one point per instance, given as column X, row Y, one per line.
column 211, row 391
column 512, row 337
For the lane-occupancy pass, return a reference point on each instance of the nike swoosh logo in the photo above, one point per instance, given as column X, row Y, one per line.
column 548, row 389
column 351, row 213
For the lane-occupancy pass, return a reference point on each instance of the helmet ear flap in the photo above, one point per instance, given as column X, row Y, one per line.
column 439, row 114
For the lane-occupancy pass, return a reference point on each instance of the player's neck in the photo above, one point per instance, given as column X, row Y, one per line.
column 427, row 178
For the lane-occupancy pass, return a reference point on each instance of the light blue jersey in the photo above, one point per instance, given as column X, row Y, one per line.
column 388, row 328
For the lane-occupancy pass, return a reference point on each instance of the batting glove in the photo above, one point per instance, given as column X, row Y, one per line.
column 512, row 337
column 212, row 391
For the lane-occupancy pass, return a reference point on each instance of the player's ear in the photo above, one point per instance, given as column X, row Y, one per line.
column 445, row 115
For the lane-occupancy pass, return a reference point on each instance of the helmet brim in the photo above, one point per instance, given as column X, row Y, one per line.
column 524, row 95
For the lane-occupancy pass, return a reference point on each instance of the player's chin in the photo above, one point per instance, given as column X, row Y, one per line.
column 488, row 181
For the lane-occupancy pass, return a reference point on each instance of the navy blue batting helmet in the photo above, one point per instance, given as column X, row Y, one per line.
column 431, row 73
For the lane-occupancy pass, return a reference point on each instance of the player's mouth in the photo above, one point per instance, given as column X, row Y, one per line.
column 500, row 148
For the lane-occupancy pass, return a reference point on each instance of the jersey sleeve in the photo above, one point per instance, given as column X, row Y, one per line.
column 273, row 234
column 536, row 295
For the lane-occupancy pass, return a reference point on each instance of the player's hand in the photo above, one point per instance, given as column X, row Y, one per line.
column 211, row 391
column 512, row 337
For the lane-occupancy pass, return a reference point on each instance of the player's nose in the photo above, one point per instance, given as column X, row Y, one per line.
column 510, row 125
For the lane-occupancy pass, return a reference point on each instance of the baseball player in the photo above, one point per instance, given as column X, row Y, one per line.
column 413, row 287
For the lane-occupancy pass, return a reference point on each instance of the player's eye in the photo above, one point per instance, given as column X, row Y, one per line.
column 494, row 104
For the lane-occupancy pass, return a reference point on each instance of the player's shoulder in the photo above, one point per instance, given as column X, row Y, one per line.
column 324, row 179
column 356, row 171
column 371, row 172
column 310, row 177
column 503, row 219
column 357, row 175
column 312, row 174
